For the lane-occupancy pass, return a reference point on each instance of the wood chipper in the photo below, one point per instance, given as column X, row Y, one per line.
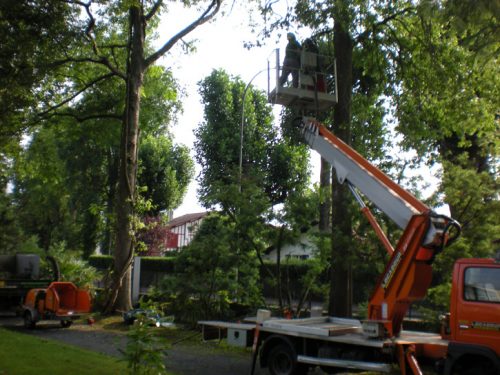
column 61, row 301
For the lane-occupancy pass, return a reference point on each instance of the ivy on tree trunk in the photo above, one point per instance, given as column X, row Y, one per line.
column 340, row 299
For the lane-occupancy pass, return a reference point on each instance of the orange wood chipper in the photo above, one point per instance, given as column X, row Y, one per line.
column 61, row 301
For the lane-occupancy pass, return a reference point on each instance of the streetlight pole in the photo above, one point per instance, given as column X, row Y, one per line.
column 242, row 125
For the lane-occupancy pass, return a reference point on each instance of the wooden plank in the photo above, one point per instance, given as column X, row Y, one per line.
column 303, row 321
column 336, row 331
column 315, row 326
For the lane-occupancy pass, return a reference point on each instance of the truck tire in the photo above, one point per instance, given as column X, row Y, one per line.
column 66, row 323
column 476, row 368
column 29, row 321
column 471, row 359
column 282, row 360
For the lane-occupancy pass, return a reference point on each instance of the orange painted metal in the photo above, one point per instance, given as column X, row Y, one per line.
column 407, row 358
column 412, row 361
column 30, row 298
column 59, row 298
column 404, row 280
column 408, row 274
column 433, row 351
column 471, row 321
column 380, row 233
column 377, row 173
column 400, row 356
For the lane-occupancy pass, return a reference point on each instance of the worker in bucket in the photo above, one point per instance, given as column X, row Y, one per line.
column 291, row 63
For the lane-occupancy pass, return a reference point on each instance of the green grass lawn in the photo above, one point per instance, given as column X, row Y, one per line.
column 22, row 354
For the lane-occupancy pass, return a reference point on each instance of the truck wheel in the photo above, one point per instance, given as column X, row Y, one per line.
column 29, row 321
column 283, row 361
column 66, row 323
column 475, row 369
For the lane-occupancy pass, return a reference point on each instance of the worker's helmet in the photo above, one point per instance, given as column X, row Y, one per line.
column 290, row 36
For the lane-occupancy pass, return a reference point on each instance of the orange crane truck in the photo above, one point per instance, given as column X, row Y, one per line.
column 61, row 301
column 470, row 339
column 469, row 342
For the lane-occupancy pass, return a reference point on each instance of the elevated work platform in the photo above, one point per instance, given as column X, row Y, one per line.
column 302, row 98
column 315, row 83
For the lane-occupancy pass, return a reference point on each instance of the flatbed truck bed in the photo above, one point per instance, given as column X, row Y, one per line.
column 343, row 330
column 307, row 336
column 324, row 328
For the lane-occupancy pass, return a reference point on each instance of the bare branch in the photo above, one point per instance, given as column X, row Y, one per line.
column 89, row 117
column 153, row 10
column 384, row 22
column 206, row 16
column 113, row 46
column 83, row 89
column 101, row 60
column 91, row 23
column 77, row 2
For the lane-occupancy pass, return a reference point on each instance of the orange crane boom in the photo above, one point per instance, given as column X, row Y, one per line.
column 408, row 273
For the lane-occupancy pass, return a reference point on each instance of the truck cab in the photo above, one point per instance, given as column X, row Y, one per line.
column 473, row 324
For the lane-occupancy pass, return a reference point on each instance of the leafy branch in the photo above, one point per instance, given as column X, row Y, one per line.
column 376, row 26
column 76, row 94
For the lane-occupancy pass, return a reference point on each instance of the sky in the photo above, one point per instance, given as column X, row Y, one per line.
column 219, row 45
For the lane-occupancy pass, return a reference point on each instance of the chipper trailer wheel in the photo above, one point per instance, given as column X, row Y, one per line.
column 29, row 321
column 66, row 323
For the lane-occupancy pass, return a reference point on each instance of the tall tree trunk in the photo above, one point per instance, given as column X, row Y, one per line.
column 121, row 298
column 89, row 234
column 340, row 301
column 279, row 284
column 113, row 163
column 326, row 202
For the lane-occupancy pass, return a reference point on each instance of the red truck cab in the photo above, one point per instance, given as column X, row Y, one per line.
column 473, row 324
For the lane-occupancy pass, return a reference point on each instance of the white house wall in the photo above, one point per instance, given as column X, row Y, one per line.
column 186, row 232
column 304, row 249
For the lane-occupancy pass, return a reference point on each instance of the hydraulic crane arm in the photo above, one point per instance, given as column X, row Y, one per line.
column 396, row 202
column 408, row 273
column 389, row 197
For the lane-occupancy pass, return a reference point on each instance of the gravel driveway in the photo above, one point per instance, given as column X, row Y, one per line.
column 181, row 360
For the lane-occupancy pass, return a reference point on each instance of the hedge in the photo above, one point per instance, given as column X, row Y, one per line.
column 158, row 264
column 154, row 268
column 101, row 262
column 153, row 264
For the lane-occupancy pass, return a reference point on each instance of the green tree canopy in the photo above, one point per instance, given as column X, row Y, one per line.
column 211, row 275
column 101, row 43
column 447, row 109
column 271, row 162
column 165, row 170
column 32, row 33
column 81, row 158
